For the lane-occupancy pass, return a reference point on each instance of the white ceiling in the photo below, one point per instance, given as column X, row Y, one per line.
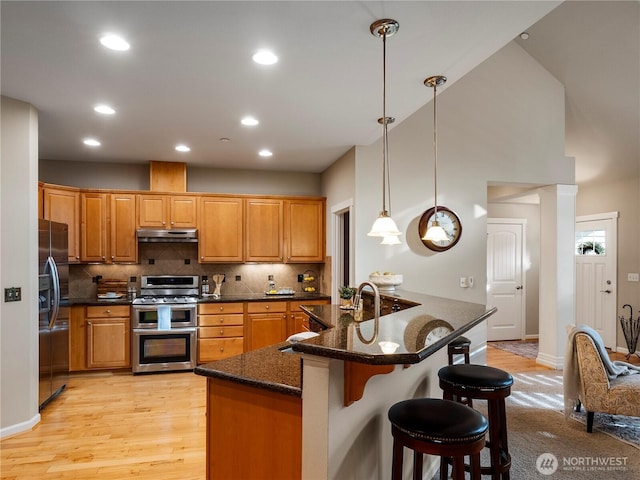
column 189, row 76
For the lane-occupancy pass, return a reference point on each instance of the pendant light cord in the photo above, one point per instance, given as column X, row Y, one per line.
column 435, row 157
column 384, row 120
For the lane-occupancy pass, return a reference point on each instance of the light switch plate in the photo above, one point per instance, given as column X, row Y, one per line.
column 633, row 277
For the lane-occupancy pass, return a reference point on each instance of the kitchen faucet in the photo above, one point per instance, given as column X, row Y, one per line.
column 376, row 293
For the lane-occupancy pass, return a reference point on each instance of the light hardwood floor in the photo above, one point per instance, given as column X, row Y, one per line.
column 117, row 426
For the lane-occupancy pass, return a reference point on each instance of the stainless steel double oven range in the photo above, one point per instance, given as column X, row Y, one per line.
column 164, row 324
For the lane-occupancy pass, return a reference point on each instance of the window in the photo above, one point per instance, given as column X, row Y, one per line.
column 591, row 242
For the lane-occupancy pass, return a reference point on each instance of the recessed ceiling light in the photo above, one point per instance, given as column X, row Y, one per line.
column 265, row 153
column 224, row 139
column 249, row 121
column 104, row 109
column 265, row 57
column 92, row 142
column 182, row 148
column 524, row 35
column 114, row 42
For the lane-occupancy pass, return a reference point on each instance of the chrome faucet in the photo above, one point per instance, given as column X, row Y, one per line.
column 376, row 293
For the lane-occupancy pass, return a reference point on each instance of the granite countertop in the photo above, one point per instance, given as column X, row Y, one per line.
column 242, row 297
column 274, row 368
column 277, row 368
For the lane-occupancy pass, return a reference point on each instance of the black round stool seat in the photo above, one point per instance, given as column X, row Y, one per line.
column 459, row 346
column 475, row 377
column 437, row 427
column 466, row 382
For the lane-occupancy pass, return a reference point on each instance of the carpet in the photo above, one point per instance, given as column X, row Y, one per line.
column 543, row 444
column 527, row 349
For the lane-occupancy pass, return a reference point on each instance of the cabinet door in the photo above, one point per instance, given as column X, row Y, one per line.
column 123, row 244
column 183, row 212
column 266, row 329
column 93, row 230
column 77, row 338
column 264, row 230
column 152, row 211
column 304, row 231
column 298, row 321
column 220, row 230
column 63, row 206
column 108, row 343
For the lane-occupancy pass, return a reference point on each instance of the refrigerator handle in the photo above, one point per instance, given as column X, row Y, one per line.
column 56, row 291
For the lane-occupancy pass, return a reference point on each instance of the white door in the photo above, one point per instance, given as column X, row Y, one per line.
column 505, row 280
column 596, row 274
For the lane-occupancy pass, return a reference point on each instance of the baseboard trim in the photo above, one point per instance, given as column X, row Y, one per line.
column 532, row 337
column 19, row 427
column 557, row 363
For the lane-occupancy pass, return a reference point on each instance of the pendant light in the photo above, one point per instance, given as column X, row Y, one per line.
column 435, row 233
column 384, row 226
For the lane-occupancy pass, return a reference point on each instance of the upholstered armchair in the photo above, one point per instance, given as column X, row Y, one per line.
column 619, row 396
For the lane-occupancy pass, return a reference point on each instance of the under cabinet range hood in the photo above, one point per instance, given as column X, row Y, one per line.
column 185, row 235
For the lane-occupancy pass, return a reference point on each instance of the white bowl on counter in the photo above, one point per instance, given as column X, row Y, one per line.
column 386, row 283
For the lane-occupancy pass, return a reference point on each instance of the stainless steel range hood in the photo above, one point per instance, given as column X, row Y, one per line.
column 184, row 235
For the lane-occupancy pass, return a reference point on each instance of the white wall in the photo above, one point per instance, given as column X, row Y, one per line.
column 503, row 122
column 124, row 176
column 19, row 266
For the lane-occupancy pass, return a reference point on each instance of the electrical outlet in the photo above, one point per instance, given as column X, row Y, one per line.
column 270, row 278
column 238, row 278
column 152, row 261
column 133, row 279
column 300, row 277
column 187, row 261
column 633, row 277
column 464, row 282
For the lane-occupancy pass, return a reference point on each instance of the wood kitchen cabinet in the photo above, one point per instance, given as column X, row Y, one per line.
column 297, row 320
column 99, row 337
column 93, row 227
column 123, row 243
column 220, row 331
column 290, row 230
column 167, row 211
column 266, row 324
column 108, row 337
column 220, row 229
column 304, row 230
column 264, row 230
column 62, row 204
column 108, row 228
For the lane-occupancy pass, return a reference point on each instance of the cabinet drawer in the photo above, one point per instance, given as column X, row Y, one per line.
column 219, row 320
column 266, row 307
column 211, row 349
column 295, row 306
column 108, row 311
column 213, row 308
column 216, row 332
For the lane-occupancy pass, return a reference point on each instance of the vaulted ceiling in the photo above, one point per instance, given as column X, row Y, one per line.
column 188, row 77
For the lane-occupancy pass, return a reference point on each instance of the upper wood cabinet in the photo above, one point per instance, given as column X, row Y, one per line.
column 108, row 228
column 93, row 228
column 290, row 230
column 220, row 229
column 123, row 242
column 304, row 232
column 167, row 211
column 63, row 205
column 264, row 234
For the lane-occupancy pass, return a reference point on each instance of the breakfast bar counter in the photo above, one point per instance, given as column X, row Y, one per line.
column 316, row 409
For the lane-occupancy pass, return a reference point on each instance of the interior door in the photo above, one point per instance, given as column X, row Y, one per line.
column 505, row 279
column 596, row 273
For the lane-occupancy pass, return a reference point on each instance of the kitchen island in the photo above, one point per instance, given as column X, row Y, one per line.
column 317, row 409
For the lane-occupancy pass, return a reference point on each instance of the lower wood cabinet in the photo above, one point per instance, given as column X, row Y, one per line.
column 220, row 331
column 267, row 324
column 100, row 337
column 298, row 321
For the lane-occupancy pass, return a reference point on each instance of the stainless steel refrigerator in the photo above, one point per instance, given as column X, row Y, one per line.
column 53, row 317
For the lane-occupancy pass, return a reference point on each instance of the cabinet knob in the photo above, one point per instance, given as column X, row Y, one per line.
column 88, row 323
column 221, row 308
column 173, row 223
column 284, row 316
column 112, row 257
column 267, row 307
column 103, row 257
column 108, row 311
column 77, row 257
column 164, row 223
column 201, row 258
column 221, row 331
column 222, row 349
column 222, row 320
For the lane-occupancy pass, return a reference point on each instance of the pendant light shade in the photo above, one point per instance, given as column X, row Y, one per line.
column 384, row 226
column 435, row 232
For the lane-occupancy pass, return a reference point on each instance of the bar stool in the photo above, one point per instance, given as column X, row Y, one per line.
column 459, row 346
column 437, row 427
column 486, row 383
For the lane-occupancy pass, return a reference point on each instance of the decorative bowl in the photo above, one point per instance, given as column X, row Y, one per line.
column 386, row 282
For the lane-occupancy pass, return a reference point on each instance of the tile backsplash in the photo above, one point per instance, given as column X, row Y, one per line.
column 182, row 259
